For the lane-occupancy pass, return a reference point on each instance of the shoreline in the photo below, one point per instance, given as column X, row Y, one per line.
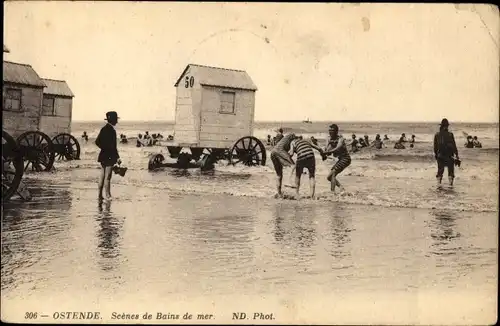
column 35, row 185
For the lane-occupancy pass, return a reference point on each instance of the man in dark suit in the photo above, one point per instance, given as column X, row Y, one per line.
column 445, row 152
column 108, row 156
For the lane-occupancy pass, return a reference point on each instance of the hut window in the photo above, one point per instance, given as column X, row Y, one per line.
column 48, row 105
column 12, row 100
column 227, row 102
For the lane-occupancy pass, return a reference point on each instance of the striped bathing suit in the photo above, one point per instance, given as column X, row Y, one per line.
column 305, row 158
column 303, row 149
column 342, row 154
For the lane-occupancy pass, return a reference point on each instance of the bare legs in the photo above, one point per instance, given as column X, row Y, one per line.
column 334, row 182
column 105, row 181
column 292, row 172
column 312, row 186
column 279, row 180
column 297, row 186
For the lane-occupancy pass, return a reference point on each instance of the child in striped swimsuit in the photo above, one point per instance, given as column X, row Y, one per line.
column 337, row 147
column 305, row 160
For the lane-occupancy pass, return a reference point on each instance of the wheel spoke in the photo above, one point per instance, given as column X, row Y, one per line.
column 42, row 162
column 6, row 185
column 45, row 159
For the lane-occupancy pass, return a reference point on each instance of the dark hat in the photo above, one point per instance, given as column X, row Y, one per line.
column 333, row 126
column 111, row 115
column 444, row 122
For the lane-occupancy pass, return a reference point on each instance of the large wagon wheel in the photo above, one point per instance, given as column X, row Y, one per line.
column 249, row 151
column 37, row 149
column 155, row 161
column 12, row 166
column 66, row 147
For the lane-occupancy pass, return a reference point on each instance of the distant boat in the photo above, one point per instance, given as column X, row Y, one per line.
column 307, row 121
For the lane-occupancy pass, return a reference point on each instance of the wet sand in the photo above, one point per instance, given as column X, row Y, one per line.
column 172, row 251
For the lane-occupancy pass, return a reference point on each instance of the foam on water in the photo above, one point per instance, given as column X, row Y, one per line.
column 387, row 177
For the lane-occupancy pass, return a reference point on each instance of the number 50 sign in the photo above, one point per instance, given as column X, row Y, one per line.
column 189, row 82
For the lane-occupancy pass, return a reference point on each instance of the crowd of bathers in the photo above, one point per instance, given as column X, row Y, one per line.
column 142, row 140
column 150, row 140
column 473, row 142
column 356, row 143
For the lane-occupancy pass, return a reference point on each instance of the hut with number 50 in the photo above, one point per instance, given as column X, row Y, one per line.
column 214, row 115
column 214, row 106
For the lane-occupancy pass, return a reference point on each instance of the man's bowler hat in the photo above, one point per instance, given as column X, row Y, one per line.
column 111, row 115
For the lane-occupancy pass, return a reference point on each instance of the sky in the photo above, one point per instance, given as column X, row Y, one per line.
column 325, row 62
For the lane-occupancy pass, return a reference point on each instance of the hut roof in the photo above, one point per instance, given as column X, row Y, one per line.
column 6, row 49
column 57, row 87
column 222, row 77
column 20, row 73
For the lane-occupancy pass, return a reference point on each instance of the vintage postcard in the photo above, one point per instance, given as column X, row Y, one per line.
column 250, row 163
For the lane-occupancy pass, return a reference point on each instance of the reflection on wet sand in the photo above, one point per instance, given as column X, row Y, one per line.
column 442, row 230
column 30, row 229
column 340, row 228
column 294, row 225
column 220, row 235
column 108, row 236
column 448, row 247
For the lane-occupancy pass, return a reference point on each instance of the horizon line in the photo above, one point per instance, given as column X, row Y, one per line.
column 300, row 121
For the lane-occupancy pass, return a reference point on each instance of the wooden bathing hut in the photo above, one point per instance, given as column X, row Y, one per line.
column 37, row 114
column 22, row 98
column 214, row 107
column 57, row 108
column 214, row 119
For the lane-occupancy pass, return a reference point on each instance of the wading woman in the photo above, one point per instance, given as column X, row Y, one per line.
column 336, row 146
column 108, row 156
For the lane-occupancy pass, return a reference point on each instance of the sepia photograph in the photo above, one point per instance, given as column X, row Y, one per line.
column 250, row 163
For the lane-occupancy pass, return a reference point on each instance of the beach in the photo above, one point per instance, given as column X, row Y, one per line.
column 393, row 249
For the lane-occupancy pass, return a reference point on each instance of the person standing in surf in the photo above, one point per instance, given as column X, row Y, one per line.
column 305, row 160
column 108, row 156
column 336, row 146
column 445, row 152
column 281, row 158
